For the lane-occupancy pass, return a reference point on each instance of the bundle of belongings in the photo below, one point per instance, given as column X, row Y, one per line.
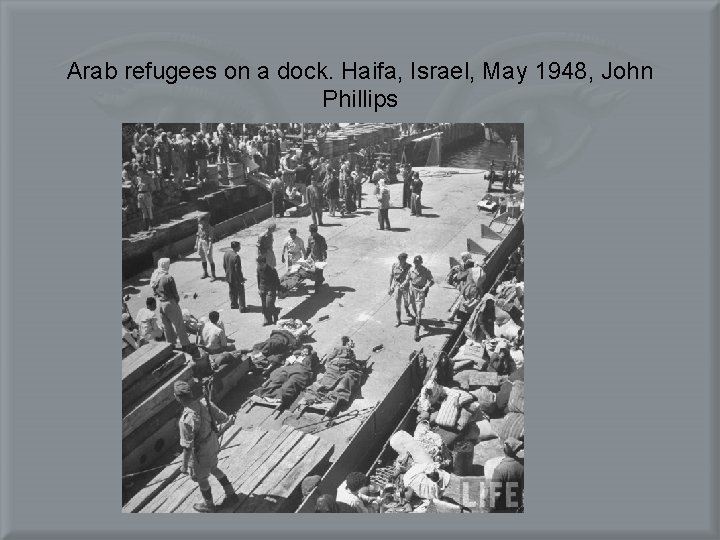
column 341, row 379
column 488, row 203
column 489, row 320
column 295, row 326
column 303, row 269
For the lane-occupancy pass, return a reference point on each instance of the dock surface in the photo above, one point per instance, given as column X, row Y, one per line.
column 355, row 300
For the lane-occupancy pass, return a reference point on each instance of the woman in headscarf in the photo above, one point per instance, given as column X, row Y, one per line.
column 163, row 285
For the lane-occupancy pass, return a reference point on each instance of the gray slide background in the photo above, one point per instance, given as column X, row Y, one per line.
column 621, row 244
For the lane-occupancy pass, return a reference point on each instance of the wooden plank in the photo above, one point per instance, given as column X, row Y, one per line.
column 322, row 451
column 184, row 504
column 281, row 486
column 242, row 464
column 250, row 484
column 157, row 401
column 143, row 361
column 149, row 429
column 138, row 391
column 167, row 476
column 280, row 471
column 181, row 492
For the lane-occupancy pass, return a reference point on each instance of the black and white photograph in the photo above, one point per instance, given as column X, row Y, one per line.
column 323, row 318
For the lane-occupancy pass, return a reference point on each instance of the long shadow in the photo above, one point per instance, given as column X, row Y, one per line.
column 315, row 302
column 130, row 290
column 429, row 215
column 399, row 229
column 330, row 225
column 364, row 213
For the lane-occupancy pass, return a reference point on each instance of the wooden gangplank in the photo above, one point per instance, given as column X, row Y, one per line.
column 265, row 468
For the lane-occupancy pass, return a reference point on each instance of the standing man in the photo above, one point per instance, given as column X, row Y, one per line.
column 268, row 284
column 234, row 276
column 294, row 247
column 317, row 249
column 163, row 285
column 379, row 173
column 407, row 185
column 287, row 165
column 277, row 191
column 383, row 197
column 399, row 286
column 201, row 149
column 315, row 200
column 163, row 153
column 358, row 178
column 265, row 246
column 199, row 441
column 415, row 201
column 419, row 280
column 143, row 184
column 204, row 245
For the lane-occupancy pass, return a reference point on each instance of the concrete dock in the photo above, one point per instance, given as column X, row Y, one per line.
column 355, row 299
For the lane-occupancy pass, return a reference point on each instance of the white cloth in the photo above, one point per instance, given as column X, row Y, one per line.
column 149, row 328
column 417, row 479
column 345, row 496
column 213, row 336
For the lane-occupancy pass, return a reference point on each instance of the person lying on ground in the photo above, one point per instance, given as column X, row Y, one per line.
column 286, row 382
column 342, row 377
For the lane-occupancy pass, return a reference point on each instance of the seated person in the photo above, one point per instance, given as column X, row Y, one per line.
column 459, row 273
column 129, row 335
column 342, row 377
column 213, row 334
column 192, row 324
column 148, row 326
column 286, row 382
column 352, row 495
column 426, row 480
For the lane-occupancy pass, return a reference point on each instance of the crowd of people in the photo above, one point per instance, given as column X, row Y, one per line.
column 324, row 184
column 476, row 396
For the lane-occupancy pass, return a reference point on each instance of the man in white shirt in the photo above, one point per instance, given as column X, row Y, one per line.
column 150, row 329
column 348, row 495
column 294, row 247
column 213, row 334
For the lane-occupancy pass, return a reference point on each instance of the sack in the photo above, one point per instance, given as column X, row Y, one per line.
column 485, row 431
column 513, row 426
column 516, row 403
column 463, row 397
column 449, row 411
column 486, row 400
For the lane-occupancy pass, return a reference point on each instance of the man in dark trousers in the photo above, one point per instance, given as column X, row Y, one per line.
column 268, row 284
column 415, row 200
column 317, row 249
column 407, row 184
column 315, row 200
column 234, row 276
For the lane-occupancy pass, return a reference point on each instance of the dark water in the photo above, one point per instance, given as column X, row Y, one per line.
column 477, row 155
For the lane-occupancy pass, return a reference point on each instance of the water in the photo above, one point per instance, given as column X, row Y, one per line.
column 478, row 155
